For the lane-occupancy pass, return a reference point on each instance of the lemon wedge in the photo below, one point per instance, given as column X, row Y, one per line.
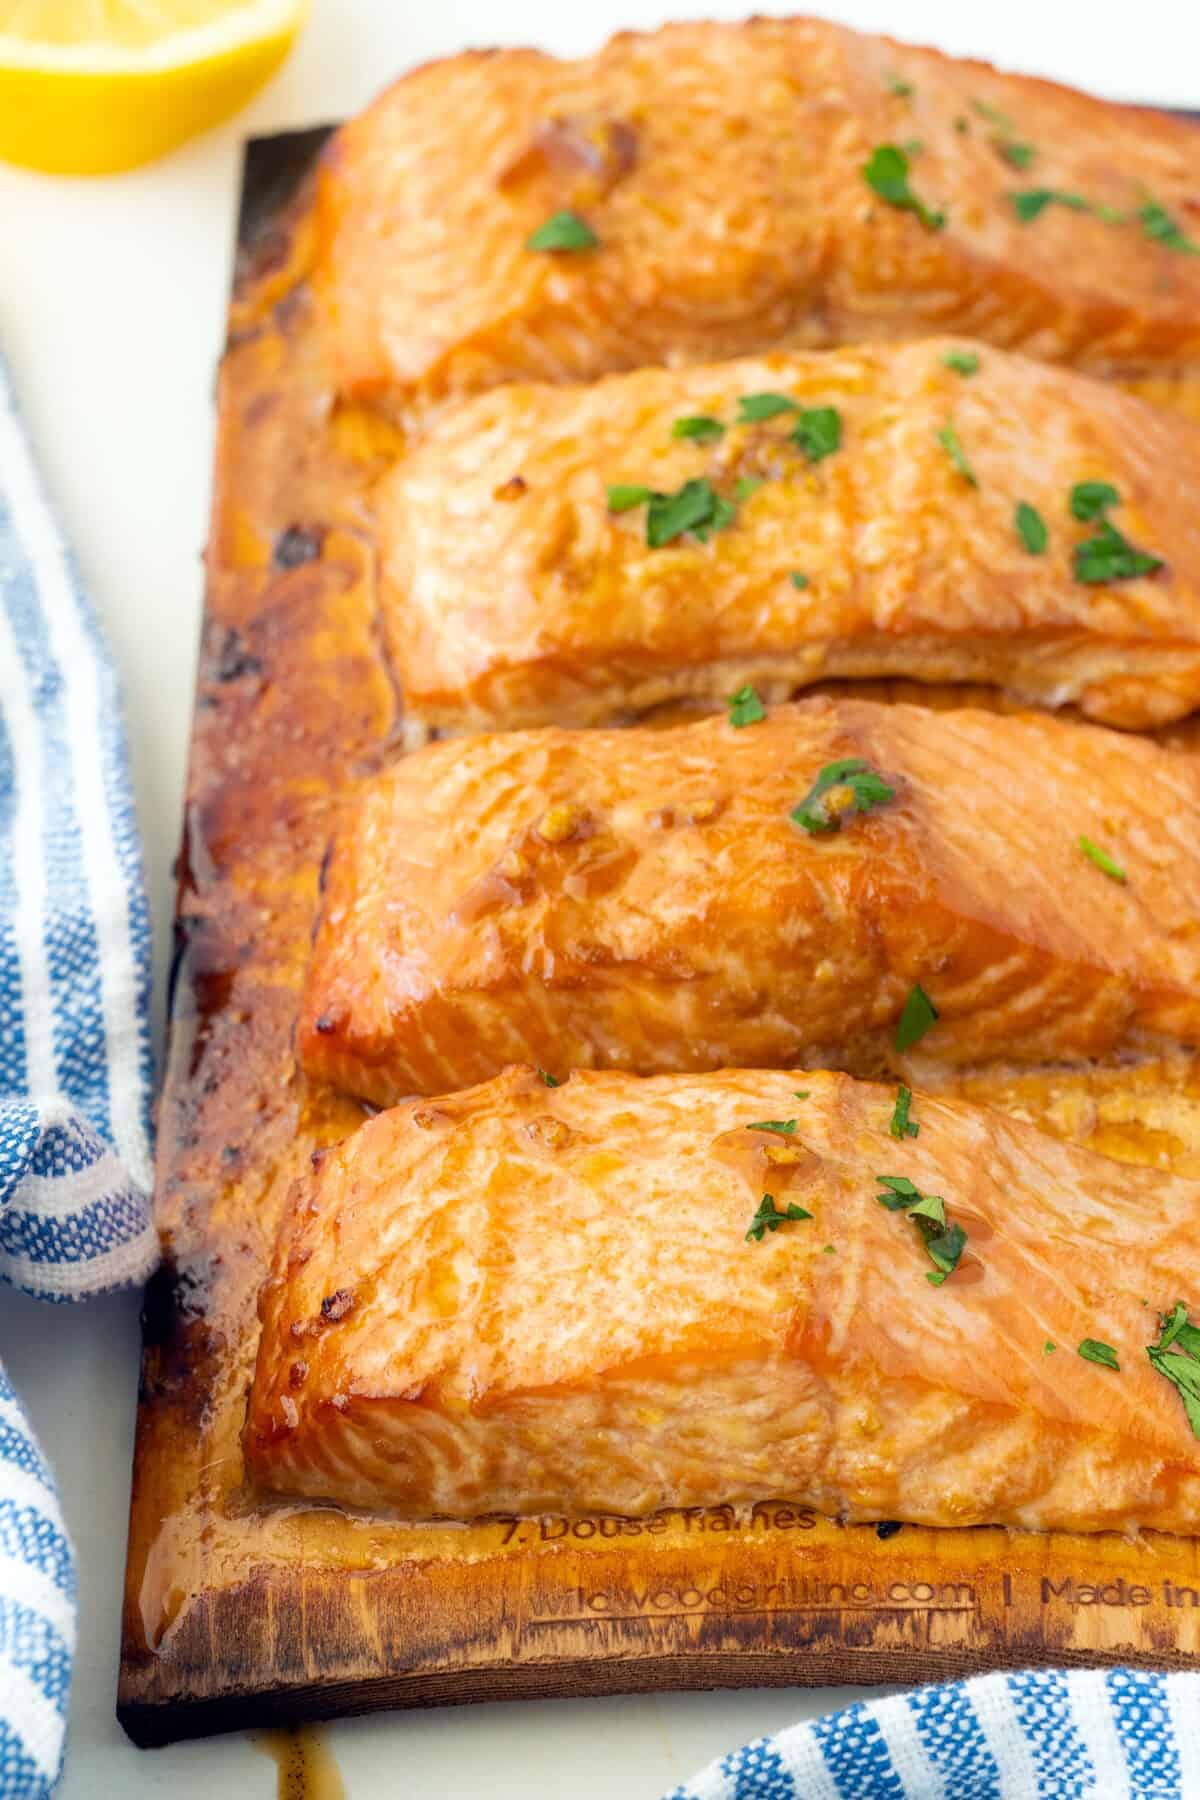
column 90, row 86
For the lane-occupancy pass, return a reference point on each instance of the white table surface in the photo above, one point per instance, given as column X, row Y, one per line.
column 112, row 302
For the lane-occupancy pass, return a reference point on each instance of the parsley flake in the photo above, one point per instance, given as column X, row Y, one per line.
column 1048, row 1348
column 798, row 580
column 902, row 1126
column 1017, row 155
column 1092, row 499
column 918, row 1017
column 1092, row 1350
column 784, row 1127
column 818, row 431
column 695, row 507
column 700, row 426
column 944, row 1242
column 947, row 437
column 887, row 173
column 624, row 499
column 992, row 114
column 851, row 786
column 745, row 485
column 1161, row 228
column 1111, row 557
column 963, row 362
column 770, row 1218
column 754, row 408
column 563, row 231
column 1102, row 860
column 828, row 1250
column 548, row 1079
column 901, row 89
column 745, row 707
column 1180, row 1365
column 1031, row 528
column 1029, row 202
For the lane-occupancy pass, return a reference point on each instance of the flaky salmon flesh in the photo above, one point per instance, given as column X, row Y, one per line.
column 733, row 187
column 700, row 896
column 521, row 1299
column 937, row 510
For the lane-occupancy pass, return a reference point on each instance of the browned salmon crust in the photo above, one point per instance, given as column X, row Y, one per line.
column 513, row 593
column 521, row 1300
column 720, row 168
column 643, row 899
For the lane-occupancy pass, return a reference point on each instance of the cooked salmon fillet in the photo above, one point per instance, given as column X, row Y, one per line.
column 719, row 169
column 520, row 1300
column 515, row 593
column 644, row 899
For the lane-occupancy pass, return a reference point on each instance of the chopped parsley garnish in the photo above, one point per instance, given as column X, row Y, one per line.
column 798, row 580
column 1017, row 155
column 1048, row 1348
column 754, row 408
column 851, row 786
column 1161, row 228
column 624, row 499
column 1111, row 557
column 818, row 431
column 887, row 173
column 1102, row 859
column 1031, row 528
column 918, row 1017
column 745, row 485
column 899, row 1192
column 992, row 114
column 1092, row 499
column 1180, row 1364
column 828, row 1250
column 550, row 1080
column 695, row 507
column 902, row 1126
column 700, row 426
column 963, row 362
column 770, row 1218
column 1092, row 1350
column 947, row 437
column 1029, row 202
column 745, row 707
column 944, row 1242
column 563, row 231
column 785, row 1127
column 901, row 89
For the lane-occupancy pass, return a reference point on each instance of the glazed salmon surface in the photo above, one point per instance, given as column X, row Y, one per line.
column 643, row 899
column 521, row 1300
column 719, row 168
column 514, row 594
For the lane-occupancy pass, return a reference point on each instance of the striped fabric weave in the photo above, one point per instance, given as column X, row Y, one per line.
column 75, row 1067
column 1050, row 1734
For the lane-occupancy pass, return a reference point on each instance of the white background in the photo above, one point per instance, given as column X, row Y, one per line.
column 112, row 301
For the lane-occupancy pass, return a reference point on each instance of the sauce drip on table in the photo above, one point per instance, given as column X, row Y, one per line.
column 305, row 1764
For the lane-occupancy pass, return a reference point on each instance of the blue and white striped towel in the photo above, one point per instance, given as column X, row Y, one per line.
column 75, row 1068
column 1053, row 1734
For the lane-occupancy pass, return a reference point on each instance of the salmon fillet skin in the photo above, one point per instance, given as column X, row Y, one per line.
column 712, row 178
column 936, row 510
column 646, row 899
column 521, row 1300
